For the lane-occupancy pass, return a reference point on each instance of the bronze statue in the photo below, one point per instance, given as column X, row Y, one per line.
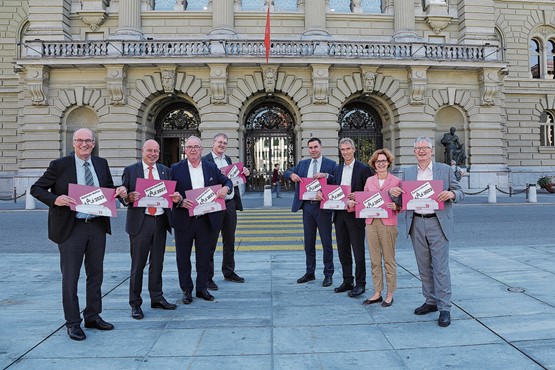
column 454, row 149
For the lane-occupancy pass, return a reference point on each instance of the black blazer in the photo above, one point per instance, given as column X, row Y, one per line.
column 212, row 176
column 55, row 182
column 237, row 192
column 136, row 215
column 361, row 172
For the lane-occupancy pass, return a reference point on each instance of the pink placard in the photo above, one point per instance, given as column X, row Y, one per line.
column 93, row 200
column 154, row 193
column 235, row 173
column 308, row 187
column 205, row 200
column 422, row 195
column 372, row 204
column 335, row 196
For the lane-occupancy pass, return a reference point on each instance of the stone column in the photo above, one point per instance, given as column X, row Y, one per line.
column 315, row 18
column 49, row 20
column 129, row 26
column 404, row 21
column 477, row 22
column 223, row 21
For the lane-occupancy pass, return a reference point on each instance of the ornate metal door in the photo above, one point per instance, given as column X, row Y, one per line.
column 269, row 139
column 363, row 124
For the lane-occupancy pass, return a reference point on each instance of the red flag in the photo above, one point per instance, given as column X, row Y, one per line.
column 267, row 34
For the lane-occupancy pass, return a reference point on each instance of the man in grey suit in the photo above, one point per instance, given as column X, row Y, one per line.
column 147, row 228
column 430, row 232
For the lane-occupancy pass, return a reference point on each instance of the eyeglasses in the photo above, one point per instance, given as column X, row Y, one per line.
column 422, row 148
column 222, row 142
column 83, row 141
column 193, row 147
column 382, row 161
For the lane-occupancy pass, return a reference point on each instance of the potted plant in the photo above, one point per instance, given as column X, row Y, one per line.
column 546, row 182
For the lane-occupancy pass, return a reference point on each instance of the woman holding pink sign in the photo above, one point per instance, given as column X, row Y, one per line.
column 382, row 232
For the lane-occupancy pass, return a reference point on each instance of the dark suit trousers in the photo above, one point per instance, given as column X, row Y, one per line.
column 349, row 237
column 316, row 219
column 151, row 239
column 205, row 238
column 86, row 241
column 228, row 240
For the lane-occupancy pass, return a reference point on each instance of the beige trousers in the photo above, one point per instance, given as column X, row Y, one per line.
column 381, row 244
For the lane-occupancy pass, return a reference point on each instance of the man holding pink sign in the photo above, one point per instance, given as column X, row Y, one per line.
column 79, row 235
column 149, row 205
column 309, row 174
column 431, row 229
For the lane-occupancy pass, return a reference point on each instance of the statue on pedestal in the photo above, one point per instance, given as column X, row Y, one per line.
column 454, row 149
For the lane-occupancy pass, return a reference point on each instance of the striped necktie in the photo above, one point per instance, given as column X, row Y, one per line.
column 151, row 210
column 88, row 175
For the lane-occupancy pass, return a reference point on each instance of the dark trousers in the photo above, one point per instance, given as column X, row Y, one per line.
column 88, row 242
column 228, row 241
column 149, row 243
column 205, row 238
column 316, row 219
column 350, row 237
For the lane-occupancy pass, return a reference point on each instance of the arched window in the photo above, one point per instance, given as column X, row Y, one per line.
column 535, row 57
column 551, row 58
column 362, row 123
column 547, row 129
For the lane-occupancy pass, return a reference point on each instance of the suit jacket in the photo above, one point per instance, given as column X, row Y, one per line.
column 373, row 184
column 212, row 176
column 237, row 192
column 136, row 215
column 301, row 169
column 55, row 182
column 360, row 173
column 443, row 172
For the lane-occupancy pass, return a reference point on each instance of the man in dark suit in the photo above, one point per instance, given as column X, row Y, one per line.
column 194, row 173
column 147, row 228
column 233, row 204
column 314, row 218
column 431, row 231
column 78, row 235
column 349, row 231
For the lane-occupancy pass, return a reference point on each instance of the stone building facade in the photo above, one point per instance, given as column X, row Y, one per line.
column 382, row 72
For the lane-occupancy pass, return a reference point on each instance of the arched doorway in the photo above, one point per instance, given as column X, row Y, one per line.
column 362, row 123
column 269, row 139
column 174, row 124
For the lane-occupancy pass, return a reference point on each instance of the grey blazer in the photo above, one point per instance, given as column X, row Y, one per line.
column 445, row 216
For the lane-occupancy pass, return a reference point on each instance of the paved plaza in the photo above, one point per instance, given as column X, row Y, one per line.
column 503, row 301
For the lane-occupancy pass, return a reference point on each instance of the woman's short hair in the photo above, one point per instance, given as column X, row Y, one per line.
column 390, row 157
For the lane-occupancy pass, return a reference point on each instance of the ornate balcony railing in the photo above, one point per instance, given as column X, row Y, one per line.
column 245, row 48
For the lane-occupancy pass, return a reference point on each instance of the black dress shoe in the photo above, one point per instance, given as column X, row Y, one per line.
column 211, row 285
column 163, row 304
column 76, row 333
column 98, row 324
column 387, row 304
column 137, row 313
column 328, row 281
column 343, row 287
column 444, row 319
column 306, row 278
column 187, row 298
column 235, row 278
column 357, row 290
column 372, row 301
column 204, row 294
column 425, row 309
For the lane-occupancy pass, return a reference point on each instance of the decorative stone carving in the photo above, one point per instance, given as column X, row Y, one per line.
column 218, row 83
column 270, row 78
column 437, row 24
column 320, row 83
column 369, row 81
column 180, row 5
column 489, row 86
column 437, row 15
column 116, row 80
column 93, row 13
column 417, row 84
column 356, row 6
column 167, row 76
column 37, row 82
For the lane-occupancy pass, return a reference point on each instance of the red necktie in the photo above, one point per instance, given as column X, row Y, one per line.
column 151, row 210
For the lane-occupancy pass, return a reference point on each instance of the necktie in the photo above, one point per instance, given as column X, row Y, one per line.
column 88, row 175
column 151, row 210
column 314, row 165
